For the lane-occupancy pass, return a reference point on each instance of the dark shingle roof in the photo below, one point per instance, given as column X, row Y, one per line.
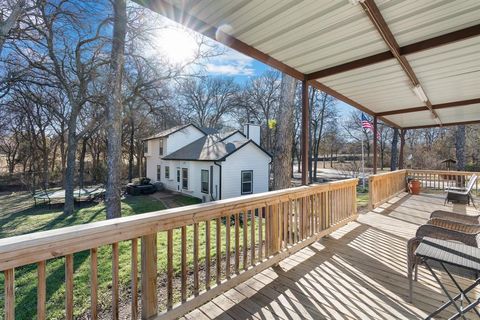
column 208, row 148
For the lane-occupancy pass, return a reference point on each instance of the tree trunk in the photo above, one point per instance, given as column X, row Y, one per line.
column 63, row 154
column 9, row 23
column 54, row 158
column 70, row 169
column 394, row 153
column 402, row 148
column 131, row 150
column 81, row 164
column 460, row 148
column 282, row 159
column 114, row 112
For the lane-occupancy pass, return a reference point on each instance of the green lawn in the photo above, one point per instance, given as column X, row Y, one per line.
column 18, row 216
column 362, row 199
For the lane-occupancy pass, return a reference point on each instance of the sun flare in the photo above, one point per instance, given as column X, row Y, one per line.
column 177, row 45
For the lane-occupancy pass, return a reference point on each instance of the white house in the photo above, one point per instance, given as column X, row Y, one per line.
column 206, row 164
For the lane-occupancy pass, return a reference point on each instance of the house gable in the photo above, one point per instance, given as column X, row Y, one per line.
column 250, row 157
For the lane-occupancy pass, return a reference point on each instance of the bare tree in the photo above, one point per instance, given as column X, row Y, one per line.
column 8, row 23
column 114, row 111
column 460, row 147
column 323, row 113
column 69, row 51
column 206, row 100
column 282, row 156
column 259, row 100
column 394, row 152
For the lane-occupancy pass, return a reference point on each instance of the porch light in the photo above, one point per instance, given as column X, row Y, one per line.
column 420, row 93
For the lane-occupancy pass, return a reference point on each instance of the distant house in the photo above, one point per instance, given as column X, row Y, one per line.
column 206, row 164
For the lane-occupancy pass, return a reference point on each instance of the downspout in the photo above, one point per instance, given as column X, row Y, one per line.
column 219, row 181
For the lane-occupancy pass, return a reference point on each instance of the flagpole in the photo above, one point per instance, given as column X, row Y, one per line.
column 363, row 166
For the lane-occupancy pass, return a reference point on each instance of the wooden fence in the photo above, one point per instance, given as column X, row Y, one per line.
column 272, row 226
column 383, row 186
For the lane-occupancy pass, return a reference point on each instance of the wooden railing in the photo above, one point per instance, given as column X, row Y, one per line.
column 440, row 180
column 250, row 234
column 384, row 186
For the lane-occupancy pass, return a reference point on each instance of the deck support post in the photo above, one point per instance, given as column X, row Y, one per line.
column 375, row 147
column 305, row 131
column 149, row 276
column 402, row 146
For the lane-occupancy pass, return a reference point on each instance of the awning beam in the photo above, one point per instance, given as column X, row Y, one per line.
column 434, row 106
column 428, row 44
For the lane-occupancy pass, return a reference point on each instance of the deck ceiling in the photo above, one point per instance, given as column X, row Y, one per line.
column 369, row 55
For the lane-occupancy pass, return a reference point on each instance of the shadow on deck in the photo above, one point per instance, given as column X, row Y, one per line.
column 358, row 272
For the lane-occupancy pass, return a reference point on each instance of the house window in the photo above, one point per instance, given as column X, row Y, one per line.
column 145, row 147
column 160, row 147
column 204, row 180
column 247, row 182
column 167, row 172
column 159, row 172
column 178, row 174
column 185, row 178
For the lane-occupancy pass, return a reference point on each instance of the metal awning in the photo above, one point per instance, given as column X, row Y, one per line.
column 409, row 63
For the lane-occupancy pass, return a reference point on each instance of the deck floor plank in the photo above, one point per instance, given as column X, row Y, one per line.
column 358, row 272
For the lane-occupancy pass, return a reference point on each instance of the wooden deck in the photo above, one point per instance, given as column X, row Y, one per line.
column 359, row 272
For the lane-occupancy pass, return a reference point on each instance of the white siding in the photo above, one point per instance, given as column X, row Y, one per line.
column 237, row 136
column 182, row 138
column 249, row 157
column 194, row 180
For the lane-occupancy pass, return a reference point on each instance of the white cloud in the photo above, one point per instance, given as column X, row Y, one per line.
column 231, row 63
column 230, row 69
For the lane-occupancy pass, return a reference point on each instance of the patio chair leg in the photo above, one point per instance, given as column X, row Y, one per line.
column 416, row 273
column 470, row 198
column 410, row 283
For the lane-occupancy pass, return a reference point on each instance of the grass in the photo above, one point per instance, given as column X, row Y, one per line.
column 18, row 216
column 187, row 200
column 362, row 198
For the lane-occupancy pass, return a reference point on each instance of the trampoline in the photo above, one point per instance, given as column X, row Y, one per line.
column 79, row 194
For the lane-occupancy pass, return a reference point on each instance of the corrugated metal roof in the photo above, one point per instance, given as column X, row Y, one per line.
column 451, row 72
column 313, row 35
column 382, row 86
column 412, row 20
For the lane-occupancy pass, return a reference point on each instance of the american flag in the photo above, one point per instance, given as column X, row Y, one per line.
column 365, row 123
column 368, row 125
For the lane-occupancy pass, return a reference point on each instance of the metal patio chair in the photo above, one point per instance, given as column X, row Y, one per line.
column 462, row 194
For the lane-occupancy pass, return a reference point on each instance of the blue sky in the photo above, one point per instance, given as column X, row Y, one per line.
column 241, row 67
column 231, row 63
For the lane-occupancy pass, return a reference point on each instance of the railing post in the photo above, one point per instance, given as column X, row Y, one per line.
column 273, row 228
column 149, row 276
column 370, row 193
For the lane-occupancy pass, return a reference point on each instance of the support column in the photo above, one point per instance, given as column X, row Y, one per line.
column 402, row 146
column 305, row 130
column 375, row 147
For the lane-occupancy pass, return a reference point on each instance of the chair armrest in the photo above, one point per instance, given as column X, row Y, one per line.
column 454, row 225
column 458, row 217
column 428, row 230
